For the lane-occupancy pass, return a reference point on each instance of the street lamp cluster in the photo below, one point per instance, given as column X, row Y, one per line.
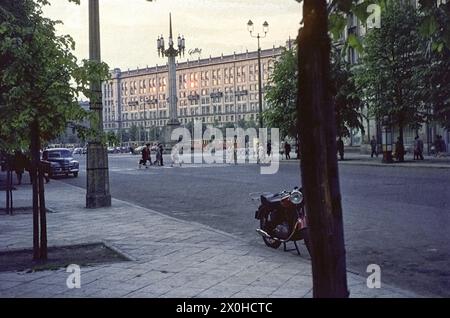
column 162, row 50
column 251, row 29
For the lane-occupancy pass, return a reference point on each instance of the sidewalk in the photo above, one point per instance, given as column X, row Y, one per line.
column 365, row 160
column 428, row 162
column 171, row 258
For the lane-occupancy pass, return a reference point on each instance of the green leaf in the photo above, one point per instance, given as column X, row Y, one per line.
column 355, row 43
column 429, row 26
column 337, row 24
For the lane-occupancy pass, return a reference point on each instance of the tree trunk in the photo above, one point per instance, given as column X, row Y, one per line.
column 401, row 136
column 7, row 190
column 317, row 130
column 9, row 187
column 43, row 217
column 35, row 158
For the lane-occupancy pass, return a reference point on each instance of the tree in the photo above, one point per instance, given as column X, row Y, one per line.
column 40, row 84
column 345, row 96
column 435, row 93
column 393, row 55
column 245, row 124
column 281, row 95
column 317, row 131
column 113, row 139
column 133, row 132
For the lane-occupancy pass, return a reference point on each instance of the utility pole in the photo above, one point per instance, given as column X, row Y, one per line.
column 98, row 194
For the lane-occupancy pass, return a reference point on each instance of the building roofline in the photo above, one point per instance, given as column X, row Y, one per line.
column 223, row 59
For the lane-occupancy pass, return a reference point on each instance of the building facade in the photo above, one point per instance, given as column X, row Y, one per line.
column 216, row 90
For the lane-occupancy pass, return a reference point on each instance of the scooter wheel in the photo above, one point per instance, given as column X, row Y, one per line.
column 268, row 241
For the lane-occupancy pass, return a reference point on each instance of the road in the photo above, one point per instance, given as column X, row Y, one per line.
column 398, row 218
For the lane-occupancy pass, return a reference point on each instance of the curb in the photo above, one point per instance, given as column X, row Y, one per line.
column 356, row 162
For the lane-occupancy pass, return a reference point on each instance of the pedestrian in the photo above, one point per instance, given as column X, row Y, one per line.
column 418, row 148
column 373, row 145
column 175, row 155
column 287, row 150
column 443, row 146
column 28, row 166
column 20, row 163
column 340, row 148
column 399, row 150
column 161, row 158
column 235, row 150
column 145, row 156
column 261, row 153
column 158, row 155
column 269, row 149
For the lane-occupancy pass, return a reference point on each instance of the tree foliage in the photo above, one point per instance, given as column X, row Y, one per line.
column 393, row 56
column 435, row 91
column 40, row 82
column 41, row 78
column 281, row 95
column 345, row 96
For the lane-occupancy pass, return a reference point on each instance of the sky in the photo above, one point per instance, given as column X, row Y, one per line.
column 130, row 28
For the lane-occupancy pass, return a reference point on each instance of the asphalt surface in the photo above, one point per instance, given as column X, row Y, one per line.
column 398, row 218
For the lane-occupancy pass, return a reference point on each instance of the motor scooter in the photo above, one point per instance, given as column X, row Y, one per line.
column 282, row 218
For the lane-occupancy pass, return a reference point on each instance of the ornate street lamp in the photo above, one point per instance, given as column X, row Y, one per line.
column 250, row 28
column 172, row 53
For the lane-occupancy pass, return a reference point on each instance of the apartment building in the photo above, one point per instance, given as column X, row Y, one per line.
column 215, row 90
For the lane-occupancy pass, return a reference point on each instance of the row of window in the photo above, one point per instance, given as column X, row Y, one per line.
column 215, row 77
column 163, row 122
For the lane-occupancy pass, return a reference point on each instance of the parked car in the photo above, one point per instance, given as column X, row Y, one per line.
column 60, row 162
column 78, row 151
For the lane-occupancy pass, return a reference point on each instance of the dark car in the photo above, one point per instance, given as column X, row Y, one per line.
column 60, row 162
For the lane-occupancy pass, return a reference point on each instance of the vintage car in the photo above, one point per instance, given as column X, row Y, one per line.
column 60, row 162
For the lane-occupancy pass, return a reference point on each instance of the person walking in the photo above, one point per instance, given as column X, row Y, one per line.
column 235, row 150
column 158, row 156
column 261, row 154
column 161, row 157
column 175, row 155
column 145, row 156
column 443, row 146
column 20, row 163
column 340, row 148
column 399, row 150
column 269, row 149
column 418, row 148
column 373, row 145
column 287, row 150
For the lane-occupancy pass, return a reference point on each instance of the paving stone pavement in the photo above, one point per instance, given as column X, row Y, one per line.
column 170, row 258
column 365, row 160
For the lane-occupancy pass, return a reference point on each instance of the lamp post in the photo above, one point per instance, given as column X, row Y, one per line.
column 250, row 28
column 98, row 194
column 172, row 53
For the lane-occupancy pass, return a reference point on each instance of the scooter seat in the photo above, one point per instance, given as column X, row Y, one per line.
column 271, row 200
